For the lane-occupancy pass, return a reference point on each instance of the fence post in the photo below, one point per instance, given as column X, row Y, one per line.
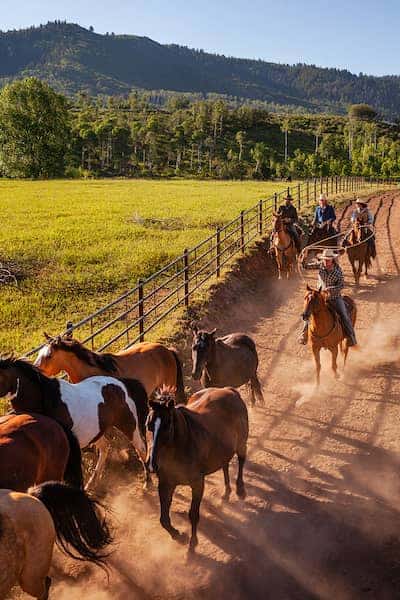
column 308, row 191
column 298, row 196
column 260, row 218
column 336, row 182
column 141, row 310
column 321, row 185
column 186, row 274
column 315, row 189
column 242, row 242
column 68, row 330
column 275, row 202
column 218, row 251
column 327, row 186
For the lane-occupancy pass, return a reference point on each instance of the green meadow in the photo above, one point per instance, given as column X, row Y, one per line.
column 75, row 245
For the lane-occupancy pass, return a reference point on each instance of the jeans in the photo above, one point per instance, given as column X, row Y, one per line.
column 340, row 307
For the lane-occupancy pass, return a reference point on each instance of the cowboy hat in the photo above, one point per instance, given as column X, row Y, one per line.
column 322, row 197
column 358, row 201
column 328, row 255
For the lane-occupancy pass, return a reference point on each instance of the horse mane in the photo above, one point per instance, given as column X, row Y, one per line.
column 105, row 362
column 48, row 385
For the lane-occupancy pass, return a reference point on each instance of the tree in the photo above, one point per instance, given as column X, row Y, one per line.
column 34, row 130
column 364, row 112
column 240, row 138
column 286, row 130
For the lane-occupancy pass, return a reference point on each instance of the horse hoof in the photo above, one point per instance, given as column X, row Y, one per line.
column 225, row 497
column 192, row 545
column 241, row 493
column 337, row 376
column 181, row 538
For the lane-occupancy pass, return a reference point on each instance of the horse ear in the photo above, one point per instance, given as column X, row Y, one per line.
column 171, row 403
column 308, row 288
column 320, row 289
column 47, row 336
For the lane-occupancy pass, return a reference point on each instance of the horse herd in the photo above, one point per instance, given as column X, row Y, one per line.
column 140, row 392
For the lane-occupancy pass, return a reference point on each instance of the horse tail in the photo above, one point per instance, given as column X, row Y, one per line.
column 73, row 474
column 180, row 386
column 81, row 531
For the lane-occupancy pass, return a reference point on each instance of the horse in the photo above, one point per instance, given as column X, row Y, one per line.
column 319, row 236
column 283, row 247
column 35, row 449
column 325, row 329
column 90, row 408
column 31, row 523
column 358, row 250
column 150, row 363
column 231, row 360
column 190, row 442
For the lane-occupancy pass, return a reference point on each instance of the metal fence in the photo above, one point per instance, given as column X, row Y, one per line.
column 141, row 310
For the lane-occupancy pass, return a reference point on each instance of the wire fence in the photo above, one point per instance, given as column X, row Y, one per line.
column 132, row 316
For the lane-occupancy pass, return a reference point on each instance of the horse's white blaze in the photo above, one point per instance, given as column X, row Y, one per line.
column 157, row 424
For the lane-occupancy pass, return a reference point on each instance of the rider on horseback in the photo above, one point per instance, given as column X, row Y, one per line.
column 331, row 280
column 290, row 218
column 364, row 217
column 324, row 216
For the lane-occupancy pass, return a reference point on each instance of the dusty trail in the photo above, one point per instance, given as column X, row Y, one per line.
column 321, row 519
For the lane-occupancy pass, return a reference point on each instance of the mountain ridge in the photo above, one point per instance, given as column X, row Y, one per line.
column 75, row 59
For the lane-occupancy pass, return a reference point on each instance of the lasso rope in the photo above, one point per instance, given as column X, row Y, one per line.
column 319, row 246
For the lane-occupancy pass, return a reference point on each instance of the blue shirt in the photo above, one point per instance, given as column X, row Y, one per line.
column 324, row 213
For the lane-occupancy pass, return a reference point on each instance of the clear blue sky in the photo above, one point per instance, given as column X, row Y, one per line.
column 360, row 35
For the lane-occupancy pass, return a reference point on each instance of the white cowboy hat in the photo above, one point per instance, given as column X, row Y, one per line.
column 328, row 255
column 359, row 201
column 322, row 197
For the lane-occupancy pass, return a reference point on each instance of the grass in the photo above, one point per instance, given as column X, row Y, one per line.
column 75, row 245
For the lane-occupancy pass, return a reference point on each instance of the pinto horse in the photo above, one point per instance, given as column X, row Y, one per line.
column 190, row 442
column 35, row 449
column 154, row 365
column 230, row 360
column 358, row 250
column 30, row 525
column 325, row 329
column 90, row 408
column 283, row 247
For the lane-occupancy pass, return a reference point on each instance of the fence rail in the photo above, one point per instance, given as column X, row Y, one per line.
column 132, row 316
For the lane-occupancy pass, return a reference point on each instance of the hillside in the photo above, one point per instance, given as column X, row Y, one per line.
column 73, row 59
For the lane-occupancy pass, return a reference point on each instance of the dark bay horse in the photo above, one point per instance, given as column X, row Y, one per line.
column 231, row 360
column 154, row 365
column 358, row 250
column 325, row 329
column 35, row 449
column 283, row 247
column 190, row 442
column 90, row 408
column 30, row 525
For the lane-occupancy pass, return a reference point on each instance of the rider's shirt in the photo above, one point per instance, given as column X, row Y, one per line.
column 288, row 212
column 324, row 213
column 334, row 280
column 364, row 216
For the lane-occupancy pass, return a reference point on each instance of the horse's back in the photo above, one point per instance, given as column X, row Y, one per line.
column 153, row 364
column 239, row 340
column 218, row 407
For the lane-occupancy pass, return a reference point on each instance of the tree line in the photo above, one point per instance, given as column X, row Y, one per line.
column 44, row 134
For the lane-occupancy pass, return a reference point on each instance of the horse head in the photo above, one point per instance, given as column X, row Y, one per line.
column 22, row 380
column 277, row 224
column 49, row 357
column 160, row 422
column 202, row 346
column 313, row 302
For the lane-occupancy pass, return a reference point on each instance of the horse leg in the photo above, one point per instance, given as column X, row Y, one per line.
column 194, row 512
column 359, row 271
column 227, row 482
column 317, row 360
column 165, row 492
column 240, row 489
column 256, row 390
column 37, row 587
column 103, row 447
column 345, row 353
column 334, row 352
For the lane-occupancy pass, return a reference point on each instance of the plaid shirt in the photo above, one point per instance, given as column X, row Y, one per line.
column 333, row 280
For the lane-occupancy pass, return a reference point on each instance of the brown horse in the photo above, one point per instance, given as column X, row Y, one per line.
column 35, row 449
column 190, row 442
column 31, row 523
column 283, row 247
column 325, row 329
column 228, row 361
column 358, row 250
column 154, row 365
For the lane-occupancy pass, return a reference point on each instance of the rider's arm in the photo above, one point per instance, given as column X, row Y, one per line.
column 316, row 215
column 370, row 218
column 332, row 215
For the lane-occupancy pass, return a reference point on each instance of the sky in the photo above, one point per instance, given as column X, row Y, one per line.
column 358, row 35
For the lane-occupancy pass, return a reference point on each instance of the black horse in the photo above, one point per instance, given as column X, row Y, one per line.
column 231, row 360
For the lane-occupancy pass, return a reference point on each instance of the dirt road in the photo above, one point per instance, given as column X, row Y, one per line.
column 321, row 519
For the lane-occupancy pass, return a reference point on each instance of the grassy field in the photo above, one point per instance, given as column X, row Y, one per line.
column 75, row 245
